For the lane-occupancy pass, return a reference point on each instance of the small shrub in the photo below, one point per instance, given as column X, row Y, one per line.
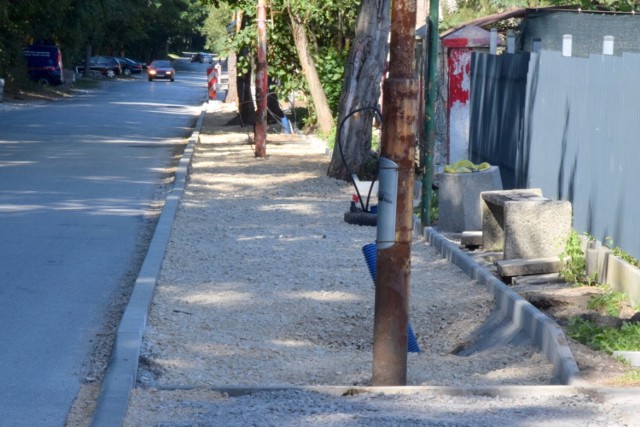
column 574, row 267
column 434, row 207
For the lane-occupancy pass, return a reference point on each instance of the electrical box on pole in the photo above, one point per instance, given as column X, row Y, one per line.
column 395, row 201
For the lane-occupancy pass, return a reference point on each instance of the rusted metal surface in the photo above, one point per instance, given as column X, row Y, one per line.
column 398, row 144
column 260, row 129
column 403, row 33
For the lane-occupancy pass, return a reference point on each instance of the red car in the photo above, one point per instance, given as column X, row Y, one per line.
column 161, row 69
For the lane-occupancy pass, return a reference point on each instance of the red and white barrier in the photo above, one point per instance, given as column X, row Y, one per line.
column 213, row 78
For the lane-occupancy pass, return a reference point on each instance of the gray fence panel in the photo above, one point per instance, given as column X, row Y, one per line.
column 498, row 94
column 573, row 130
column 584, row 138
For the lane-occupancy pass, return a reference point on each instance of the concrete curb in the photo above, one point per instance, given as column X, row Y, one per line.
column 513, row 391
column 120, row 376
column 542, row 330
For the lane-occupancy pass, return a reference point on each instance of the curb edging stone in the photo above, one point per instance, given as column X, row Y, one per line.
column 120, row 376
column 541, row 329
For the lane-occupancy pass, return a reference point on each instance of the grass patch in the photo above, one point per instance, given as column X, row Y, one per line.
column 609, row 302
column 604, row 338
column 631, row 378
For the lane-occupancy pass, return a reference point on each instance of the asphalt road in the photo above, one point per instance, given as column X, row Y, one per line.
column 76, row 179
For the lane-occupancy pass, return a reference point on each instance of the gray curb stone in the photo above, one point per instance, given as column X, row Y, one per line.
column 120, row 376
column 541, row 329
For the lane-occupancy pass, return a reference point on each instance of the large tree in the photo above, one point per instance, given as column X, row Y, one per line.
column 361, row 90
column 299, row 27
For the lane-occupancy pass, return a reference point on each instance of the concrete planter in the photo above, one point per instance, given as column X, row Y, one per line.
column 623, row 277
column 459, row 205
column 633, row 357
column 612, row 270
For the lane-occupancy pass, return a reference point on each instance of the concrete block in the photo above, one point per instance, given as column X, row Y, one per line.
column 523, row 267
column 536, row 229
column 623, row 277
column 492, row 204
column 459, row 205
column 471, row 238
column 633, row 357
column 538, row 280
column 596, row 256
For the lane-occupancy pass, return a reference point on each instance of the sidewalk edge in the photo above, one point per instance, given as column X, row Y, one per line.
column 120, row 376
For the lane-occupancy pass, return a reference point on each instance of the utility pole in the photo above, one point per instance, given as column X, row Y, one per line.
column 395, row 202
column 260, row 128
column 430, row 121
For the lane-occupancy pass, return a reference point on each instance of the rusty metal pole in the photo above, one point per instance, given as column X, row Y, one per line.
column 260, row 128
column 397, row 163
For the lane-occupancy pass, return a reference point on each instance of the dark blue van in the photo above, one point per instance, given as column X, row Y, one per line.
column 44, row 64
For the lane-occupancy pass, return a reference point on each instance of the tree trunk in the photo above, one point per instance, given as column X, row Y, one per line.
column 232, row 67
column 260, row 128
column 232, row 89
column 87, row 60
column 325, row 118
column 246, row 106
column 361, row 89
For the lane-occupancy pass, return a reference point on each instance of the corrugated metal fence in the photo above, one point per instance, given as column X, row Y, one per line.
column 567, row 125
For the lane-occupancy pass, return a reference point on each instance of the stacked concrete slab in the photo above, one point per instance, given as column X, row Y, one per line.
column 524, row 224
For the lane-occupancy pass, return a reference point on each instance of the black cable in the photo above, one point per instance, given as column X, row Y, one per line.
column 338, row 143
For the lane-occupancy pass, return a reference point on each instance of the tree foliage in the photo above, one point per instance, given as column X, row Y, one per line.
column 329, row 26
column 144, row 29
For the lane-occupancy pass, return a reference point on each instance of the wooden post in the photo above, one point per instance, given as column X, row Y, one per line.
column 394, row 258
column 260, row 128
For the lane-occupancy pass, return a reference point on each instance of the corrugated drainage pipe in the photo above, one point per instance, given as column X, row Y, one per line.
column 370, row 252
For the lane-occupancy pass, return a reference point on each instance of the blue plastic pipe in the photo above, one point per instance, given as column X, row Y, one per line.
column 370, row 252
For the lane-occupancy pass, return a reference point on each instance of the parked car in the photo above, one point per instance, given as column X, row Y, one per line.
column 44, row 64
column 161, row 69
column 129, row 66
column 202, row 57
column 106, row 65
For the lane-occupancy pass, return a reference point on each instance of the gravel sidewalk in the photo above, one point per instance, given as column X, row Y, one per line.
column 263, row 314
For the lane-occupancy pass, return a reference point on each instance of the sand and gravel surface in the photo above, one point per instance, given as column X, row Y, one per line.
column 263, row 313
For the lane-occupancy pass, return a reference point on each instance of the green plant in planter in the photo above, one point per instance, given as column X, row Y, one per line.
column 465, row 166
